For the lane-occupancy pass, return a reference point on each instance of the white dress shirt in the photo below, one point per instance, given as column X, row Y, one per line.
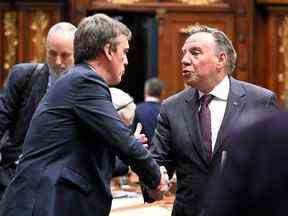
column 218, row 106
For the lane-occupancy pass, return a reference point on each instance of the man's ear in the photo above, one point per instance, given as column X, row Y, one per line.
column 221, row 60
column 107, row 51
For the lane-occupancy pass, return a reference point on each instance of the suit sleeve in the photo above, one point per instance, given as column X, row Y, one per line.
column 120, row 168
column 94, row 107
column 11, row 98
column 161, row 145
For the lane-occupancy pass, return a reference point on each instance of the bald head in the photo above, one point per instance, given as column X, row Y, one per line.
column 65, row 28
column 59, row 47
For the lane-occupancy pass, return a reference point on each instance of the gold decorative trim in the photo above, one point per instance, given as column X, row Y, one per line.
column 11, row 35
column 199, row 2
column 38, row 26
column 283, row 33
column 123, row 1
column 187, row 29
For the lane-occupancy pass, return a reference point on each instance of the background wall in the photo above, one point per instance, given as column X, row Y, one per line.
column 258, row 29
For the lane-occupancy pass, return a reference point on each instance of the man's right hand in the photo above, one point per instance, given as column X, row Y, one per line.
column 163, row 186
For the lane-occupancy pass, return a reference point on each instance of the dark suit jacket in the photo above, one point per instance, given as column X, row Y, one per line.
column 255, row 175
column 18, row 103
column 69, row 152
column 21, row 95
column 146, row 113
column 177, row 142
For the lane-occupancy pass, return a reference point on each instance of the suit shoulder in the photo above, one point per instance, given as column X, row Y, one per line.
column 20, row 74
column 179, row 97
column 21, row 70
column 255, row 89
column 145, row 104
column 83, row 77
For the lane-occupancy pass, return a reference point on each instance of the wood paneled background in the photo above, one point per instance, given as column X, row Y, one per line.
column 258, row 29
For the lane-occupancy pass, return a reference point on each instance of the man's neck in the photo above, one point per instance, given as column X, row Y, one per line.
column 99, row 68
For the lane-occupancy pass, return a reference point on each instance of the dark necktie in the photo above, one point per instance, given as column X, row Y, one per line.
column 205, row 123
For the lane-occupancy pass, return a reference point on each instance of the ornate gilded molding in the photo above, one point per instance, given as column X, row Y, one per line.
column 38, row 26
column 283, row 33
column 123, row 1
column 199, row 2
column 186, row 30
column 11, row 35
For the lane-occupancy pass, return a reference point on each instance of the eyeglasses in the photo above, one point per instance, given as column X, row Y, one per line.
column 125, row 105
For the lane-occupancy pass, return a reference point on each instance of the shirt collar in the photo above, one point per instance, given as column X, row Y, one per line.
column 151, row 99
column 221, row 90
column 52, row 77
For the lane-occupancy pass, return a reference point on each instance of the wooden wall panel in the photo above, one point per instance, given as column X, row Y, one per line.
column 1, row 44
column 280, row 75
column 10, row 40
column 244, row 12
column 23, row 28
column 271, row 50
column 172, row 35
column 173, row 17
column 253, row 26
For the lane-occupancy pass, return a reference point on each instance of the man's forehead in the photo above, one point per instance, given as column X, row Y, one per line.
column 201, row 37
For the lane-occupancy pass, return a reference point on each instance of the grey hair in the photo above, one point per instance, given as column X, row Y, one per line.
column 65, row 27
column 123, row 103
column 223, row 42
column 93, row 33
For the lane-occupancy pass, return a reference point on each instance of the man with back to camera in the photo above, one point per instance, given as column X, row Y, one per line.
column 146, row 113
column 69, row 151
column 24, row 88
column 194, row 125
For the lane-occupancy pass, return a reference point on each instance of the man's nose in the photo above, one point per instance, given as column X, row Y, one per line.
column 125, row 60
column 185, row 60
column 58, row 60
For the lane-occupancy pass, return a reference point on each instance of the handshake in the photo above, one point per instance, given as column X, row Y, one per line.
column 163, row 186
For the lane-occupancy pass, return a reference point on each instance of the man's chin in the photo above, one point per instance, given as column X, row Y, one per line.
column 59, row 72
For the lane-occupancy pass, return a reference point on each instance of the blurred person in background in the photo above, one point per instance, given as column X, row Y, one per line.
column 125, row 106
column 25, row 86
column 146, row 113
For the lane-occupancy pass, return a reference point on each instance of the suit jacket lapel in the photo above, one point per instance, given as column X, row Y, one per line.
column 235, row 105
column 191, row 117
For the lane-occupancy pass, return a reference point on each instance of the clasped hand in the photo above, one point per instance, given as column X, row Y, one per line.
column 163, row 186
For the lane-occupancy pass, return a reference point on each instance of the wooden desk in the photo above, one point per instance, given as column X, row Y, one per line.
column 135, row 206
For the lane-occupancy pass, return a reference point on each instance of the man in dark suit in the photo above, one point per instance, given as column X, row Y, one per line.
column 24, row 88
column 146, row 113
column 192, row 133
column 70, row 147
column 255, row 175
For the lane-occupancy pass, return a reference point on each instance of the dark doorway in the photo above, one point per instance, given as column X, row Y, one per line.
column 142, row 56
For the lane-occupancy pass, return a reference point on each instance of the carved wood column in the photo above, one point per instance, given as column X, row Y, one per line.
column 244, row 42
column 272, row 46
